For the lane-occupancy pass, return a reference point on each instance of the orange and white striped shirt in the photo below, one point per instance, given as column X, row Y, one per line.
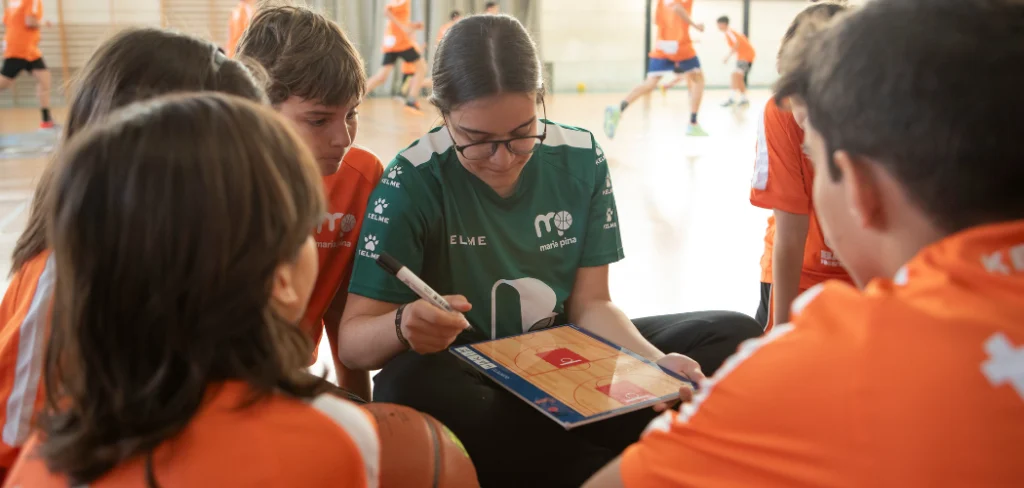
column 278, row 441
column 24, row 328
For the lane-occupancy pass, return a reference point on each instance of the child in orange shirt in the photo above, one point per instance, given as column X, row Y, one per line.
column 317, row 82
column 917, row 379
column 241, row 15
column 740, row 46
column 673, row 53
column 796, row 255
column 399, row 43
column 22, row 19
column 181, row 230
column 122, row 70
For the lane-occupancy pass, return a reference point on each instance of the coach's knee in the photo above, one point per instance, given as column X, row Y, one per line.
column 733, row 327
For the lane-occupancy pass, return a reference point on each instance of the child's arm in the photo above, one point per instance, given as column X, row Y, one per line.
column 681, row 12
column 353, row 380
column 787, row 261
column 728, row 56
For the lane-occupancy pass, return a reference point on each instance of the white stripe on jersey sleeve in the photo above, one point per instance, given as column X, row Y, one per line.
column 29, row 365
column 745, row 351
column 359, row 426
column 760, row 179
column 560, row 136
column 428, row 145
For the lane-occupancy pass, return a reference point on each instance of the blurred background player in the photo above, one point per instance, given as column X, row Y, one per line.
column 673, row 53
column 399, row 43
column 454, row 17
column 929, row 219
column 239, row 21
column 22, row 19
column 740, row 46
column 795, row 246
column 492, row 8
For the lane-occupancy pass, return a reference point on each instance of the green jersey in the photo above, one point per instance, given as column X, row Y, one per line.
column 514, row 258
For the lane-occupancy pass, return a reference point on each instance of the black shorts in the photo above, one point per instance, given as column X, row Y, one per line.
column 409, row 56
column 14, row 66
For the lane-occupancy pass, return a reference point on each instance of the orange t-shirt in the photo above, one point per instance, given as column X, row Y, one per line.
column 348, row 192
column 739, row 42
column 783, row 178
column 444, row 30
column 395, row 39
column 916, row 381
column 673, row 41
column 279, row 441
column 239, row 21
column 20, row 40
column 24, row 328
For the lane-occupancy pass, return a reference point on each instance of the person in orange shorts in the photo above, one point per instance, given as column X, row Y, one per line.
column 181, row 230
column 673, row 53
column 22, row 19
column 740, row 46
column 241, row 15
column 399, row 43
column 121, row 71
column 796, row 255
column 316, row 81
column 918, row 378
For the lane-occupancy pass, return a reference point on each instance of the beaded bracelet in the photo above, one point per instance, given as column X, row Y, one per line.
column 398, row 328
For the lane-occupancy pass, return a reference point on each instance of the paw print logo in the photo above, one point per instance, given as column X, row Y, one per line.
column 608, row 182
column 371, row 242
column 380, row 205
column 611, row 214
column 395, row 172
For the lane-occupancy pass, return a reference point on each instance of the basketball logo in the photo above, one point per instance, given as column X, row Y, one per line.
column 348, row 222
column 563, row 220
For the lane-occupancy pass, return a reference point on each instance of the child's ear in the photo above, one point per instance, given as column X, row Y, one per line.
column 283, row 293
column 863, row 192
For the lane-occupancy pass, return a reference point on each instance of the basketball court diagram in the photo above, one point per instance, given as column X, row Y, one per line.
column 576, row 370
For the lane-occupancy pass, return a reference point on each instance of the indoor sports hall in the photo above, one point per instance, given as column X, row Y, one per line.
column 692, row 239
column 511, row 243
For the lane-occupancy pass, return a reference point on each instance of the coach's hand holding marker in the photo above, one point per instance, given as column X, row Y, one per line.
column 431, row 324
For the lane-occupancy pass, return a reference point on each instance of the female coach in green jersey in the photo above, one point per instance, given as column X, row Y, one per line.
column 514, row 218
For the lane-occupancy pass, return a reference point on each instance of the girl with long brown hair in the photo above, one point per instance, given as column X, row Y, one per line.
column 121, row 71
column 182, row 231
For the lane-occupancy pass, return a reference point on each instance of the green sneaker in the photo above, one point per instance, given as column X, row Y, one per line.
column 696, row 131
column 612, row 114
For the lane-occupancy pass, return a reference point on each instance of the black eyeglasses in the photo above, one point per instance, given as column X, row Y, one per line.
column 520, row 146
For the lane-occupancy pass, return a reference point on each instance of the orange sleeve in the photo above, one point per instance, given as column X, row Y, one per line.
column 37, row 9
column 778, row 413
column 779, row 181
column 24, row 327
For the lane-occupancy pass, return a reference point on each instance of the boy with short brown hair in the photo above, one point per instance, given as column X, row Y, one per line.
column 316, row 80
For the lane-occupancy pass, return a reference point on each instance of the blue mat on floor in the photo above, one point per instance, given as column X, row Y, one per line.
column 28, row 145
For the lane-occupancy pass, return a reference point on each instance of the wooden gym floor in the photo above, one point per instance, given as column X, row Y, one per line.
column 692, row 239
